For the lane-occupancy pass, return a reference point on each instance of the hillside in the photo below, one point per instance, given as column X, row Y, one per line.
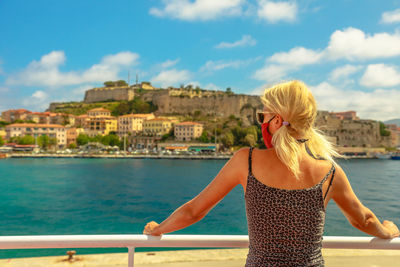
column 393, row 121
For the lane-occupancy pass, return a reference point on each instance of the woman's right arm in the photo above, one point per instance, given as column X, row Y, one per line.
column 358, row 215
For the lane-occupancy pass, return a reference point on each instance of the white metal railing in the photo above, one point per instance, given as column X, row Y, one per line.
column 133, row 241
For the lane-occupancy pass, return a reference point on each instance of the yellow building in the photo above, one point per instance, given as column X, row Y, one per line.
column 101, row 125
column 157, row 127
column 98, row 112
column 132, row 123
column 146, row 86
column 2, row 133
column 188, row 130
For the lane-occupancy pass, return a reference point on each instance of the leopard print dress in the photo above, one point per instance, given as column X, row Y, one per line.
column 285, row 226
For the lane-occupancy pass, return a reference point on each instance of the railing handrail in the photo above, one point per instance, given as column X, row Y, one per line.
column 227, row 241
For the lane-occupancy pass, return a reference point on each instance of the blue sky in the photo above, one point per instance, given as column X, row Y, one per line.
column 346, row 51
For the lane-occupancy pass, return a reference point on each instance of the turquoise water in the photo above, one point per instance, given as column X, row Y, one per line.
column 118, row 196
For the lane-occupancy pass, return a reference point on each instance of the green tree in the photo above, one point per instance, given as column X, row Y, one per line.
column 1, row 141
column 96, row 139
column 44, row 141
column 239, row 133
column 109, row 84
column 72, row 146
column 253, row 131
column 122, row 109
column 4, row 124
column 228, row 139
column 27, row 140
column 121, row 83
column 204, row 137
column 382, row 128
column 110, row 140
column 82, row 139
column 249, row 140
column 52, row 141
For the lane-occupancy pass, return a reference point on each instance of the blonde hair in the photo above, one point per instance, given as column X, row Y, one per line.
column 296, row 105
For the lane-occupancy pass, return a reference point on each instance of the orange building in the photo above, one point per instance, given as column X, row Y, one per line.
column 12, row 115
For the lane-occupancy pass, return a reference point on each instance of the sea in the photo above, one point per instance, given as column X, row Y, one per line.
column 49, row 196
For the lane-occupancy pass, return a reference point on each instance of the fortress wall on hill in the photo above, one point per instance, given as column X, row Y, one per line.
column 103, row 94
column 243, row 106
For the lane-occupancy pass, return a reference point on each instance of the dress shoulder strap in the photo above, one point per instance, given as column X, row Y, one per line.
column 250, row 152
column 330, row 183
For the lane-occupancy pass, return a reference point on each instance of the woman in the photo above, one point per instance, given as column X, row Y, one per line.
column 287, row 186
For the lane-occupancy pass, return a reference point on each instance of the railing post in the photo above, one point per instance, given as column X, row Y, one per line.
column 131, row 254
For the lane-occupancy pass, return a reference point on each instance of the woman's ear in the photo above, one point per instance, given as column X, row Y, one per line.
column 279, row 120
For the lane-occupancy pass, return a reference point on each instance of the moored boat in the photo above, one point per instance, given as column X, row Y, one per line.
column 383, row 155
column 396, row 156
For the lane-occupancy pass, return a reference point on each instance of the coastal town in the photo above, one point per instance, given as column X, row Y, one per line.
column 139, row 119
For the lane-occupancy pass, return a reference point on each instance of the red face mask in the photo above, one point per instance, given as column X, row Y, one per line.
column 267, row 136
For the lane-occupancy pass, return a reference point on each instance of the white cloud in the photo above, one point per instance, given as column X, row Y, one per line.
column 46, row 71
column 211, row 65
column 380, row 75
column 212, row 86
column 378, row 105
column 168, row 63
column 277, row 11
column 350, row 44
column 343, row 72
column 280, row 64
column 199, row 9
column 271, row 73
column 39, row 95
column 80, row 90
column 171, row 77
column 354, row 44
column 4, row 89
column 246, row 40
column 297, row 56
column 37, row 101
column 391, row 16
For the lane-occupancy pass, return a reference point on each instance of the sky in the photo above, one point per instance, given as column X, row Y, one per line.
column 346, row 51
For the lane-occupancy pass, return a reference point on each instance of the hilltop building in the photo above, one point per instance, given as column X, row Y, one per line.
column 187, row 131
column 99, row 112
column 346, row 115
column 348, row 131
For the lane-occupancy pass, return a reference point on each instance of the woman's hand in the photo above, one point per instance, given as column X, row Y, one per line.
column 151, row 228
column 392, row 228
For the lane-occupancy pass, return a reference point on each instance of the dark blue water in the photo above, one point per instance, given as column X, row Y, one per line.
column 118, row 196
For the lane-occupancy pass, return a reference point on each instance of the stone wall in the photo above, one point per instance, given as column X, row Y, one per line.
column 109, row 93
column 350, row 133
column 223, row 105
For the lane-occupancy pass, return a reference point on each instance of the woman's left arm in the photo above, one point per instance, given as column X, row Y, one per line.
column 194, row 210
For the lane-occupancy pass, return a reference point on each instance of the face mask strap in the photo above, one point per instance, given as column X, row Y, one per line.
column 269, row 122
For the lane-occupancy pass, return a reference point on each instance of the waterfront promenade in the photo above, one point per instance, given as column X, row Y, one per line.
column 137, row 156
column 208, row 257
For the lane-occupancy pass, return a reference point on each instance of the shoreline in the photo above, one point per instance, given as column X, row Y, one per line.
column 141, row 156
column 202, row 257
